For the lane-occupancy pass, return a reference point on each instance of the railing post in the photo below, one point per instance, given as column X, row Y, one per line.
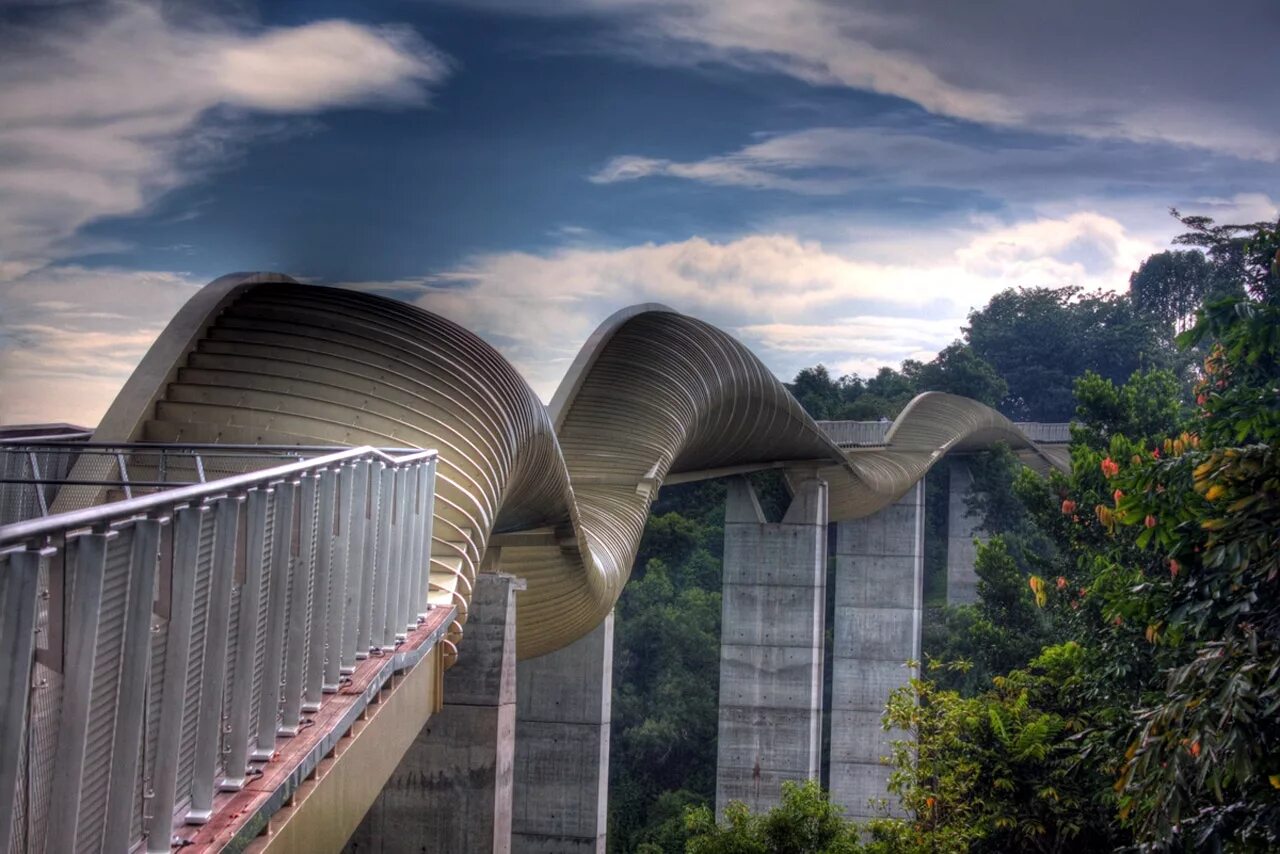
column 339, row 608
column 19, row 577
column 394, row 513
column 302, row 576
column 237, row 761
column 319, row 631
column 186, row 548
column 277, row 614
column 414, row 555
column 375, row 545
column 428, row 530
column 398, row 615
column 85, row 600
column 358, row 551
column 135, row 662
column 209, row 723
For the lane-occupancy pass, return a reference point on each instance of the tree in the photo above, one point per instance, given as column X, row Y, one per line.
column 1039, row 340
column 806, row 822
column 959, row 370
column 1170, row 286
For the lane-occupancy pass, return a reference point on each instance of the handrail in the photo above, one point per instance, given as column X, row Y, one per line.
column 179, row 643
column 22, row 533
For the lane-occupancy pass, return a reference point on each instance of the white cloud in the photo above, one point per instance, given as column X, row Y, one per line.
column 1151, row 73
column 795, row 301
column 71, row 337
column 103, row 109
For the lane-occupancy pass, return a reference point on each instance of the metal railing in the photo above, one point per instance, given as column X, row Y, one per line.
column 873, row 433
column 155, row 648
column 32, row 471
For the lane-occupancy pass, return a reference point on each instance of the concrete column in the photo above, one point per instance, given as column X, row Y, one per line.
column 453, row 789
column 878, row 599
column 562, row 748
column 771, row 641
column 962, row 530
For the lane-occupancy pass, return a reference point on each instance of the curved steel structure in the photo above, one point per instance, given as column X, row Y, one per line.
column 557, row 494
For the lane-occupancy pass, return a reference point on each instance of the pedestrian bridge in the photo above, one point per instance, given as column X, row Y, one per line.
column 228, row 615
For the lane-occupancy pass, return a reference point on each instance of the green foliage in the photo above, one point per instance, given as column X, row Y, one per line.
column 1170, row 286
column 806, row 822
column 1039, row 340
column 1147, row 406
column 959, row 370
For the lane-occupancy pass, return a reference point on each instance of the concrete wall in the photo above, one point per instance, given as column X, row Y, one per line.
column 453, row 790
column 771, row 644
column 878, row 598
column 962, row 530
column 562, row 748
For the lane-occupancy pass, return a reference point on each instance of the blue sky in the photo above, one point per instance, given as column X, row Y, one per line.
column 831, row 181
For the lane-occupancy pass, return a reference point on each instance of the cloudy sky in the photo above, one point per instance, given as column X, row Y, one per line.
column 832, row 180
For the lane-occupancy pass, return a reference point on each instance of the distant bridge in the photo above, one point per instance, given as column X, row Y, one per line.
column 232, row 615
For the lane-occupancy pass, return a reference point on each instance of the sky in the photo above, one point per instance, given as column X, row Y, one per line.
column 832, row 182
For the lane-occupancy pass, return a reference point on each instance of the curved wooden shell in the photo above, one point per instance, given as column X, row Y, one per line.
column 557, row 495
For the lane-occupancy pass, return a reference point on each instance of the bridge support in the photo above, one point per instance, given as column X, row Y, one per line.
column 562, row 748
column 771, row 641
column 878, row 598
column 453, row 789
column 962, row 530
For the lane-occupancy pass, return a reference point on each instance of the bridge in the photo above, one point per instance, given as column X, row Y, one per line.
column 328, row 574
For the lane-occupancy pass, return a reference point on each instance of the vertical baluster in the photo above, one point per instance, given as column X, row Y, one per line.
column 186, row 548
column 357, row 566
column 300, row 590
column 369, row 562
column 403, row 603
column 135, row 662
column 334, row 643
column 378, row 614
column 277, row 613
column 209, row 721
column 414, row 552
column 314, row 679
column 19, row 576
column 85, row 601
column 428, row 527
column 391, row 622
column 237, row 761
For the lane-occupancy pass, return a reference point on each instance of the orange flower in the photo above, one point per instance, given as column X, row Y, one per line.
column 1155, row 454
column 1110, row 468
column 1068, row 507
column 930, row 801
column 1117, row 495
column 1119, row 620
column 1195, row 749
column 1150, row 521
column 1173, row 568
column 1062, row 582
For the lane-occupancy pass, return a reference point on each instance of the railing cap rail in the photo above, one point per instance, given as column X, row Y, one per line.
column 34, row 530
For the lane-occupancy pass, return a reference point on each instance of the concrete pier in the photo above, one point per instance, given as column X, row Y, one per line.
column 562, row 748
column 878, row 599
column 771, row 645
column 962, row 530
column 453, row 789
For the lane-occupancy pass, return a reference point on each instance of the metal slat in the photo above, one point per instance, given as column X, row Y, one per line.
column 237, row 761
column 383, row 631
column 339, row 606
column 428, row 526
column 406, row 498
column 356, row 566
column 164, row 780
column 277, row 615
column 209, row 725
column 135, row 661
column 373, row 545
column 73, row 726
column 19, row 574
column 319, row 635
column 300, row 578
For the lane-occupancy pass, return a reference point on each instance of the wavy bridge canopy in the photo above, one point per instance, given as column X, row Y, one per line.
column 557, row 495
